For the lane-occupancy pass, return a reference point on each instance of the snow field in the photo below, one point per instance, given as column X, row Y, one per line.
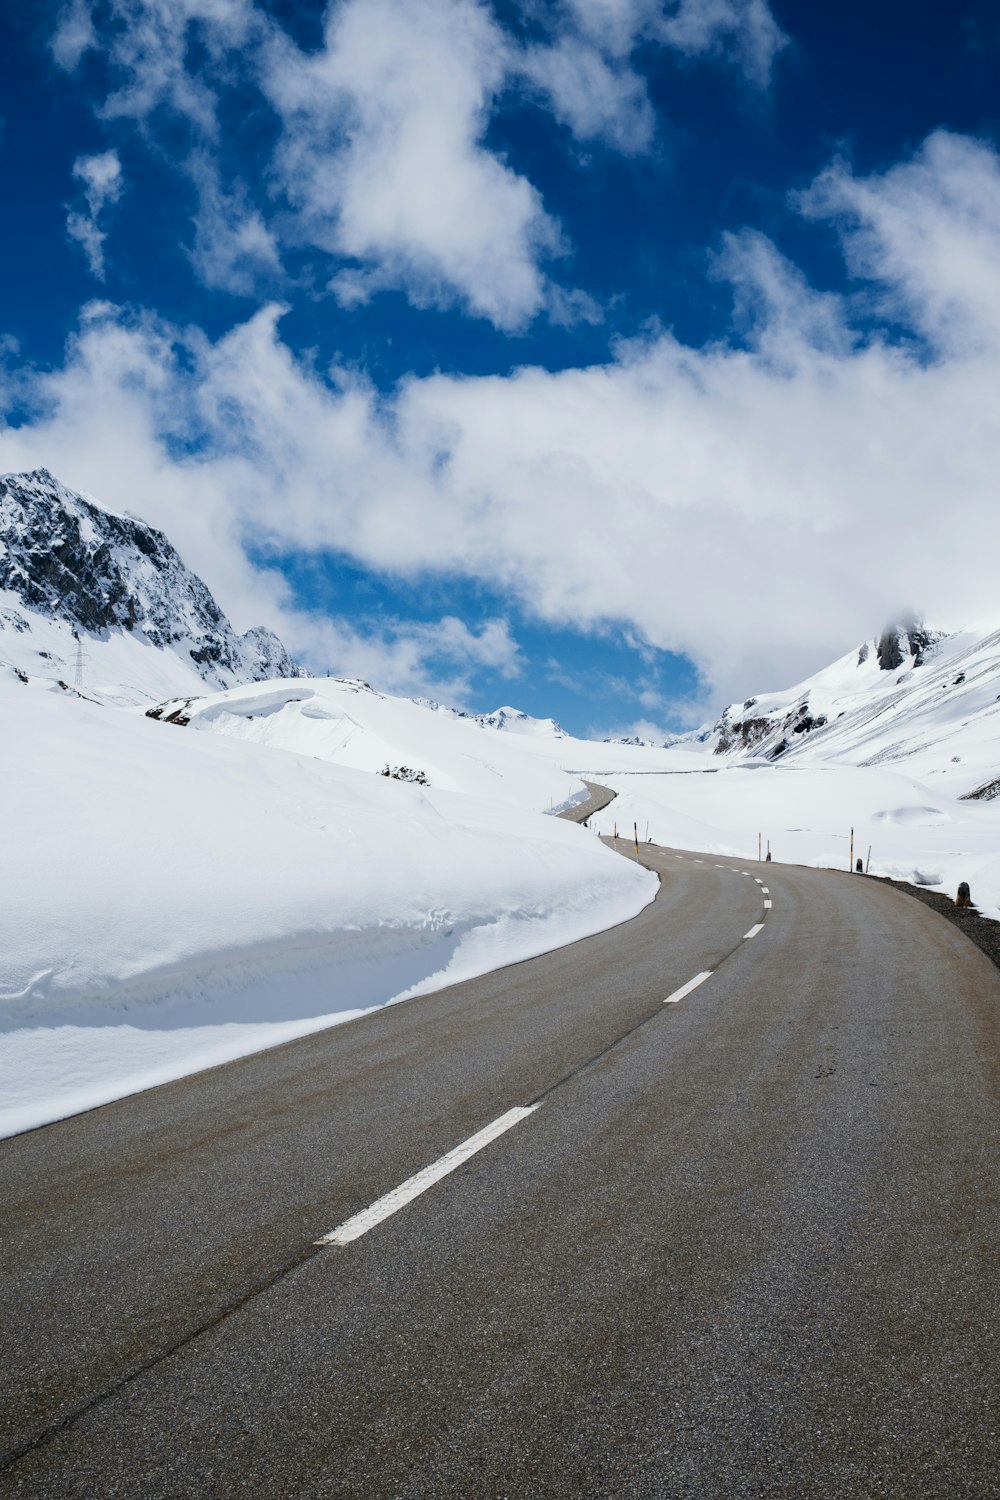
column 173, row 899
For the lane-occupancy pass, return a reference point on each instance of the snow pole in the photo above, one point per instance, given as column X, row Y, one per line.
column 850, row 861
column 869, row 859
column 635, row 830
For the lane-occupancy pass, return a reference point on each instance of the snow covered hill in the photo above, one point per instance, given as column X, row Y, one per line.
column 104, row 602
column 349, row 723
column 898, row 741
column 926, row 702
column 173, row 899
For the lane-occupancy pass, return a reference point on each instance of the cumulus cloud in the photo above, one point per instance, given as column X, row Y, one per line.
column 925, row 234
column 382, row 155
column 383, row 161
column 756, row 504
column 101, row 180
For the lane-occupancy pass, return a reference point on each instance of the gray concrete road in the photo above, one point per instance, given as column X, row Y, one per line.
column 747, row 1244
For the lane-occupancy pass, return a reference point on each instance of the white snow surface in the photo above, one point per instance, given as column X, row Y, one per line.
column 172, row 900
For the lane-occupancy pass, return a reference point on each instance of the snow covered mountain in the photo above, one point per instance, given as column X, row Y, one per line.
column 515, row 721
column 91, row 595
column 922, row 700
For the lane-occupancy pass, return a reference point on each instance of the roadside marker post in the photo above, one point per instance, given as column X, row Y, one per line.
column 635, row 830
column 850, row 861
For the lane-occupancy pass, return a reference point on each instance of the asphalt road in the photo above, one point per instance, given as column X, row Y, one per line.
column 746, row 1245
column 598, row 798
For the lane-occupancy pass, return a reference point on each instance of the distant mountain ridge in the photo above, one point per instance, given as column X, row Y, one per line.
column 70, row 561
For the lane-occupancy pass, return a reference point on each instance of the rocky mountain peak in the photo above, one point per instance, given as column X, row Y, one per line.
column 900, row 640
column 69, row 559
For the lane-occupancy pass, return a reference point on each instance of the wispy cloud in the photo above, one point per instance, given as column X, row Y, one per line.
column 101, row 179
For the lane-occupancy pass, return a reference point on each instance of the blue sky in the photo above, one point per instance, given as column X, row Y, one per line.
column 607, row 357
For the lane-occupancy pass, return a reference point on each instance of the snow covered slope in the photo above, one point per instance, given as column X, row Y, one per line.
column 899, row 740
column 173, row 899
column 346, row 721
column 924, row 702
column 104, row 602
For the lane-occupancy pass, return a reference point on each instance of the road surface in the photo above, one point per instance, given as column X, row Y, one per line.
column 599, row 797
column 745, row 1245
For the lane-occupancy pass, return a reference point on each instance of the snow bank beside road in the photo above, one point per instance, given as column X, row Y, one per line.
column 171, row 900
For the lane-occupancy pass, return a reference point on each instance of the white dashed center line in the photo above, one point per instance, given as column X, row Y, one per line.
column 384, row 1207
column 686, row 989
column 391, row 1203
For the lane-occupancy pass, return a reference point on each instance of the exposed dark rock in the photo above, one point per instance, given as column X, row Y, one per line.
column 742, row 735
column 899, row 641
column 406, row 773
column 984, row 793
column 889, row 649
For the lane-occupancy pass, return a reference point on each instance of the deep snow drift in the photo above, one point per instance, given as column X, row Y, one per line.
column 172, row 899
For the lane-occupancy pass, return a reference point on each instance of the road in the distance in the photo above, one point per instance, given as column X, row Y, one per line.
column 748, row 1250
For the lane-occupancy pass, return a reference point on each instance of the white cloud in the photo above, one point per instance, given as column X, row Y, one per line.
column 148, row 43
column 234, row 249
column 743, row 29
column 757, row 507
column 586, row 71
column 596, row 98
column 74, row 34
column 382, row 155
column 383, row 158
column 101, row 178
column 927, row 232
column 433, row 659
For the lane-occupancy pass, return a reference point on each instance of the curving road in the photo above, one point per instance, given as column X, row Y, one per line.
column 598, row 797
column 745, row 1245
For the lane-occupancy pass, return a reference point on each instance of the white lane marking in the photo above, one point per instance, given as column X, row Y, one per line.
column 391, row 1203
column 686, row 989
column 699, row 861
column 744, row 872
column 764, row 891
column 767, row 905
column 753, row 931
column 758, row 880
column 720, row 867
